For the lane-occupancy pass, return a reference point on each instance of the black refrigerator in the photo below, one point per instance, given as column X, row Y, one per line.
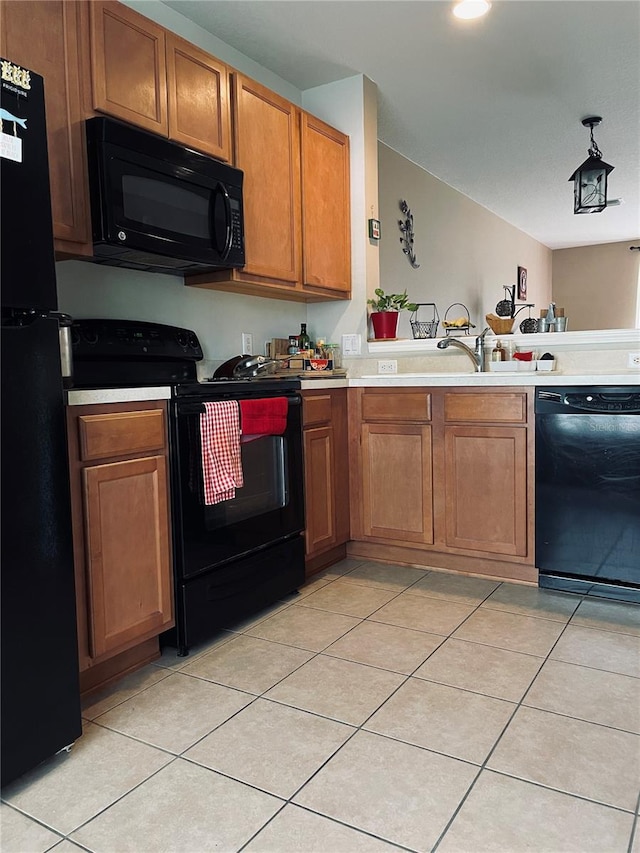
column 40, row 700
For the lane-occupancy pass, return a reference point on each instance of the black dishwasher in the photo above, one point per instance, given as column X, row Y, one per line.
column 588, row 490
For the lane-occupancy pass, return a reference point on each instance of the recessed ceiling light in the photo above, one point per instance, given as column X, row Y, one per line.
column 469, row 9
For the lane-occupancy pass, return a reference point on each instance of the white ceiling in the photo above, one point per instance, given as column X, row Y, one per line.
column 492, row 107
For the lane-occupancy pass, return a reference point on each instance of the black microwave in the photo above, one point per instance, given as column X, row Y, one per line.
column 159, row 206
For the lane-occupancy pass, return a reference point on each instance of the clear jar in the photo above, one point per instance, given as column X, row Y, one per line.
column 509, row 350
column 334, row 352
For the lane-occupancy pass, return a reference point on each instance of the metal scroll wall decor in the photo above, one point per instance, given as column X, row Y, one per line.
column 406, row 229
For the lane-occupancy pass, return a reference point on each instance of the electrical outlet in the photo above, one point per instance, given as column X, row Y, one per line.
column 247, row 344
column 633, row 359
column 390, row 366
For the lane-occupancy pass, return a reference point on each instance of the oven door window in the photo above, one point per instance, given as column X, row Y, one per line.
column 264, row 468
column 266, row 510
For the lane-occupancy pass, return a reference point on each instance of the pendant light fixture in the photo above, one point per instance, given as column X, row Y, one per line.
column 590, row 179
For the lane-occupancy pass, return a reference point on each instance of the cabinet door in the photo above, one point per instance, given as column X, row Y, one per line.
column 397, row 482
column 198, row 91
column 486, row 489
column 43, row 36
column 267, row 149
column 127, row 552
column 326, row 217
column 320, row 532
column 128, row 66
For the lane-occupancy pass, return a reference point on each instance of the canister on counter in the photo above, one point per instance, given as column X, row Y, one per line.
column 335, row 354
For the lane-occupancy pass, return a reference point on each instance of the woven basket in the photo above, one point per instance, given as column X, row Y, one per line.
column 499, row 325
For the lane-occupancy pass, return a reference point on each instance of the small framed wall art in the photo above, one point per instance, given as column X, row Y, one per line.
column 522, row 283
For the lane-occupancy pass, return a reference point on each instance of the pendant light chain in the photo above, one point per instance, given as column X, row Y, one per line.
column 594, row 151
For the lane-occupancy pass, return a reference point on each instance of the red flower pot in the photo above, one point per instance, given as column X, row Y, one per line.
column 385, row 324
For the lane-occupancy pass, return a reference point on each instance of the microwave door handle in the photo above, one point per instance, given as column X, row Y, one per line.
column 221, row 190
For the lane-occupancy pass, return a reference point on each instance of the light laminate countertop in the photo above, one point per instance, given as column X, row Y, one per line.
column 96, row 396
column 83, row 397
column 517, row 378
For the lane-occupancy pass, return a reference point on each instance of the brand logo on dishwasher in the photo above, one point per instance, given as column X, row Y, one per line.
column 618, row 424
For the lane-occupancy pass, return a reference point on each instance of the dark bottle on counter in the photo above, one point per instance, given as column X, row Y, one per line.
column 304, row 341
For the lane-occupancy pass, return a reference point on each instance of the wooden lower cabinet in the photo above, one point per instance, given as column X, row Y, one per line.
column 486, row 489
column 397, row 485
column 324, row 415
column 121, row 525
column 444, row 477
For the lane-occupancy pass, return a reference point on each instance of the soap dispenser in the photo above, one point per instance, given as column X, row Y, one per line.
column 498, row 353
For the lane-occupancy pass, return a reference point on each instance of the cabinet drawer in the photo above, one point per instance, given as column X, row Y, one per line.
column 316, row 410
column 397, row 406
column 486, row 407
column 118, row 433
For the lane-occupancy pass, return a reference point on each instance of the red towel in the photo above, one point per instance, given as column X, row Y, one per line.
column 220, row 440
column 267, row 416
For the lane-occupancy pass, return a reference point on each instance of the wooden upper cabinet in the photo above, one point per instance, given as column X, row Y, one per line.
column 146, row 75
column 297, row 219
column 44, row 37
column 128, row 65
column 267, row 149
column 326, row 217
column 198, row 92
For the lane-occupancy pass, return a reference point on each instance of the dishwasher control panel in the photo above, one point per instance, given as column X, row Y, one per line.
column 625, row 400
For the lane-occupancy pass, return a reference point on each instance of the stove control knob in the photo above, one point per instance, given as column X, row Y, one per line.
column 90, row 336
column 182, row 339
column 193, row 342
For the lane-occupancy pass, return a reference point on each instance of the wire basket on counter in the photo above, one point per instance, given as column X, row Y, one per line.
column 425, row 328
column 457, row 322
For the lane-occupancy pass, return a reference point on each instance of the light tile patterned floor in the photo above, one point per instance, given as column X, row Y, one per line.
column 382, row 708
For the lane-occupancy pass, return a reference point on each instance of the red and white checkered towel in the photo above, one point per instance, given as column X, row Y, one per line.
column 221, row 462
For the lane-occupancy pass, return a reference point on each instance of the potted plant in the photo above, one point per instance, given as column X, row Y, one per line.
column 384, row 313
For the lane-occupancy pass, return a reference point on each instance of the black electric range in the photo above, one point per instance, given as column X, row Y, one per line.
column 231, row 559
column 129, row 353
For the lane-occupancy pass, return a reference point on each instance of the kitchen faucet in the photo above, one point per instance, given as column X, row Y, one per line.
column 476, row 355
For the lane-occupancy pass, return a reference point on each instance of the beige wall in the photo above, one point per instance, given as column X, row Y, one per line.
column 465, row 252
column 597, row 285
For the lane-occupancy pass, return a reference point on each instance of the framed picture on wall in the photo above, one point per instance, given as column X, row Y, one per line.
column 522, row 283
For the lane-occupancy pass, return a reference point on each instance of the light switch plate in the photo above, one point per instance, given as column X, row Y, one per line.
column 351, row 345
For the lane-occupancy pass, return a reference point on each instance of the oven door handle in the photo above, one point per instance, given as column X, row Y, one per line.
column 199, row 409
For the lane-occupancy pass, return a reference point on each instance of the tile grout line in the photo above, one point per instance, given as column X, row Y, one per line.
column 635, row 826
column 483, row 766
column 359, row 728
column 323, row 651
